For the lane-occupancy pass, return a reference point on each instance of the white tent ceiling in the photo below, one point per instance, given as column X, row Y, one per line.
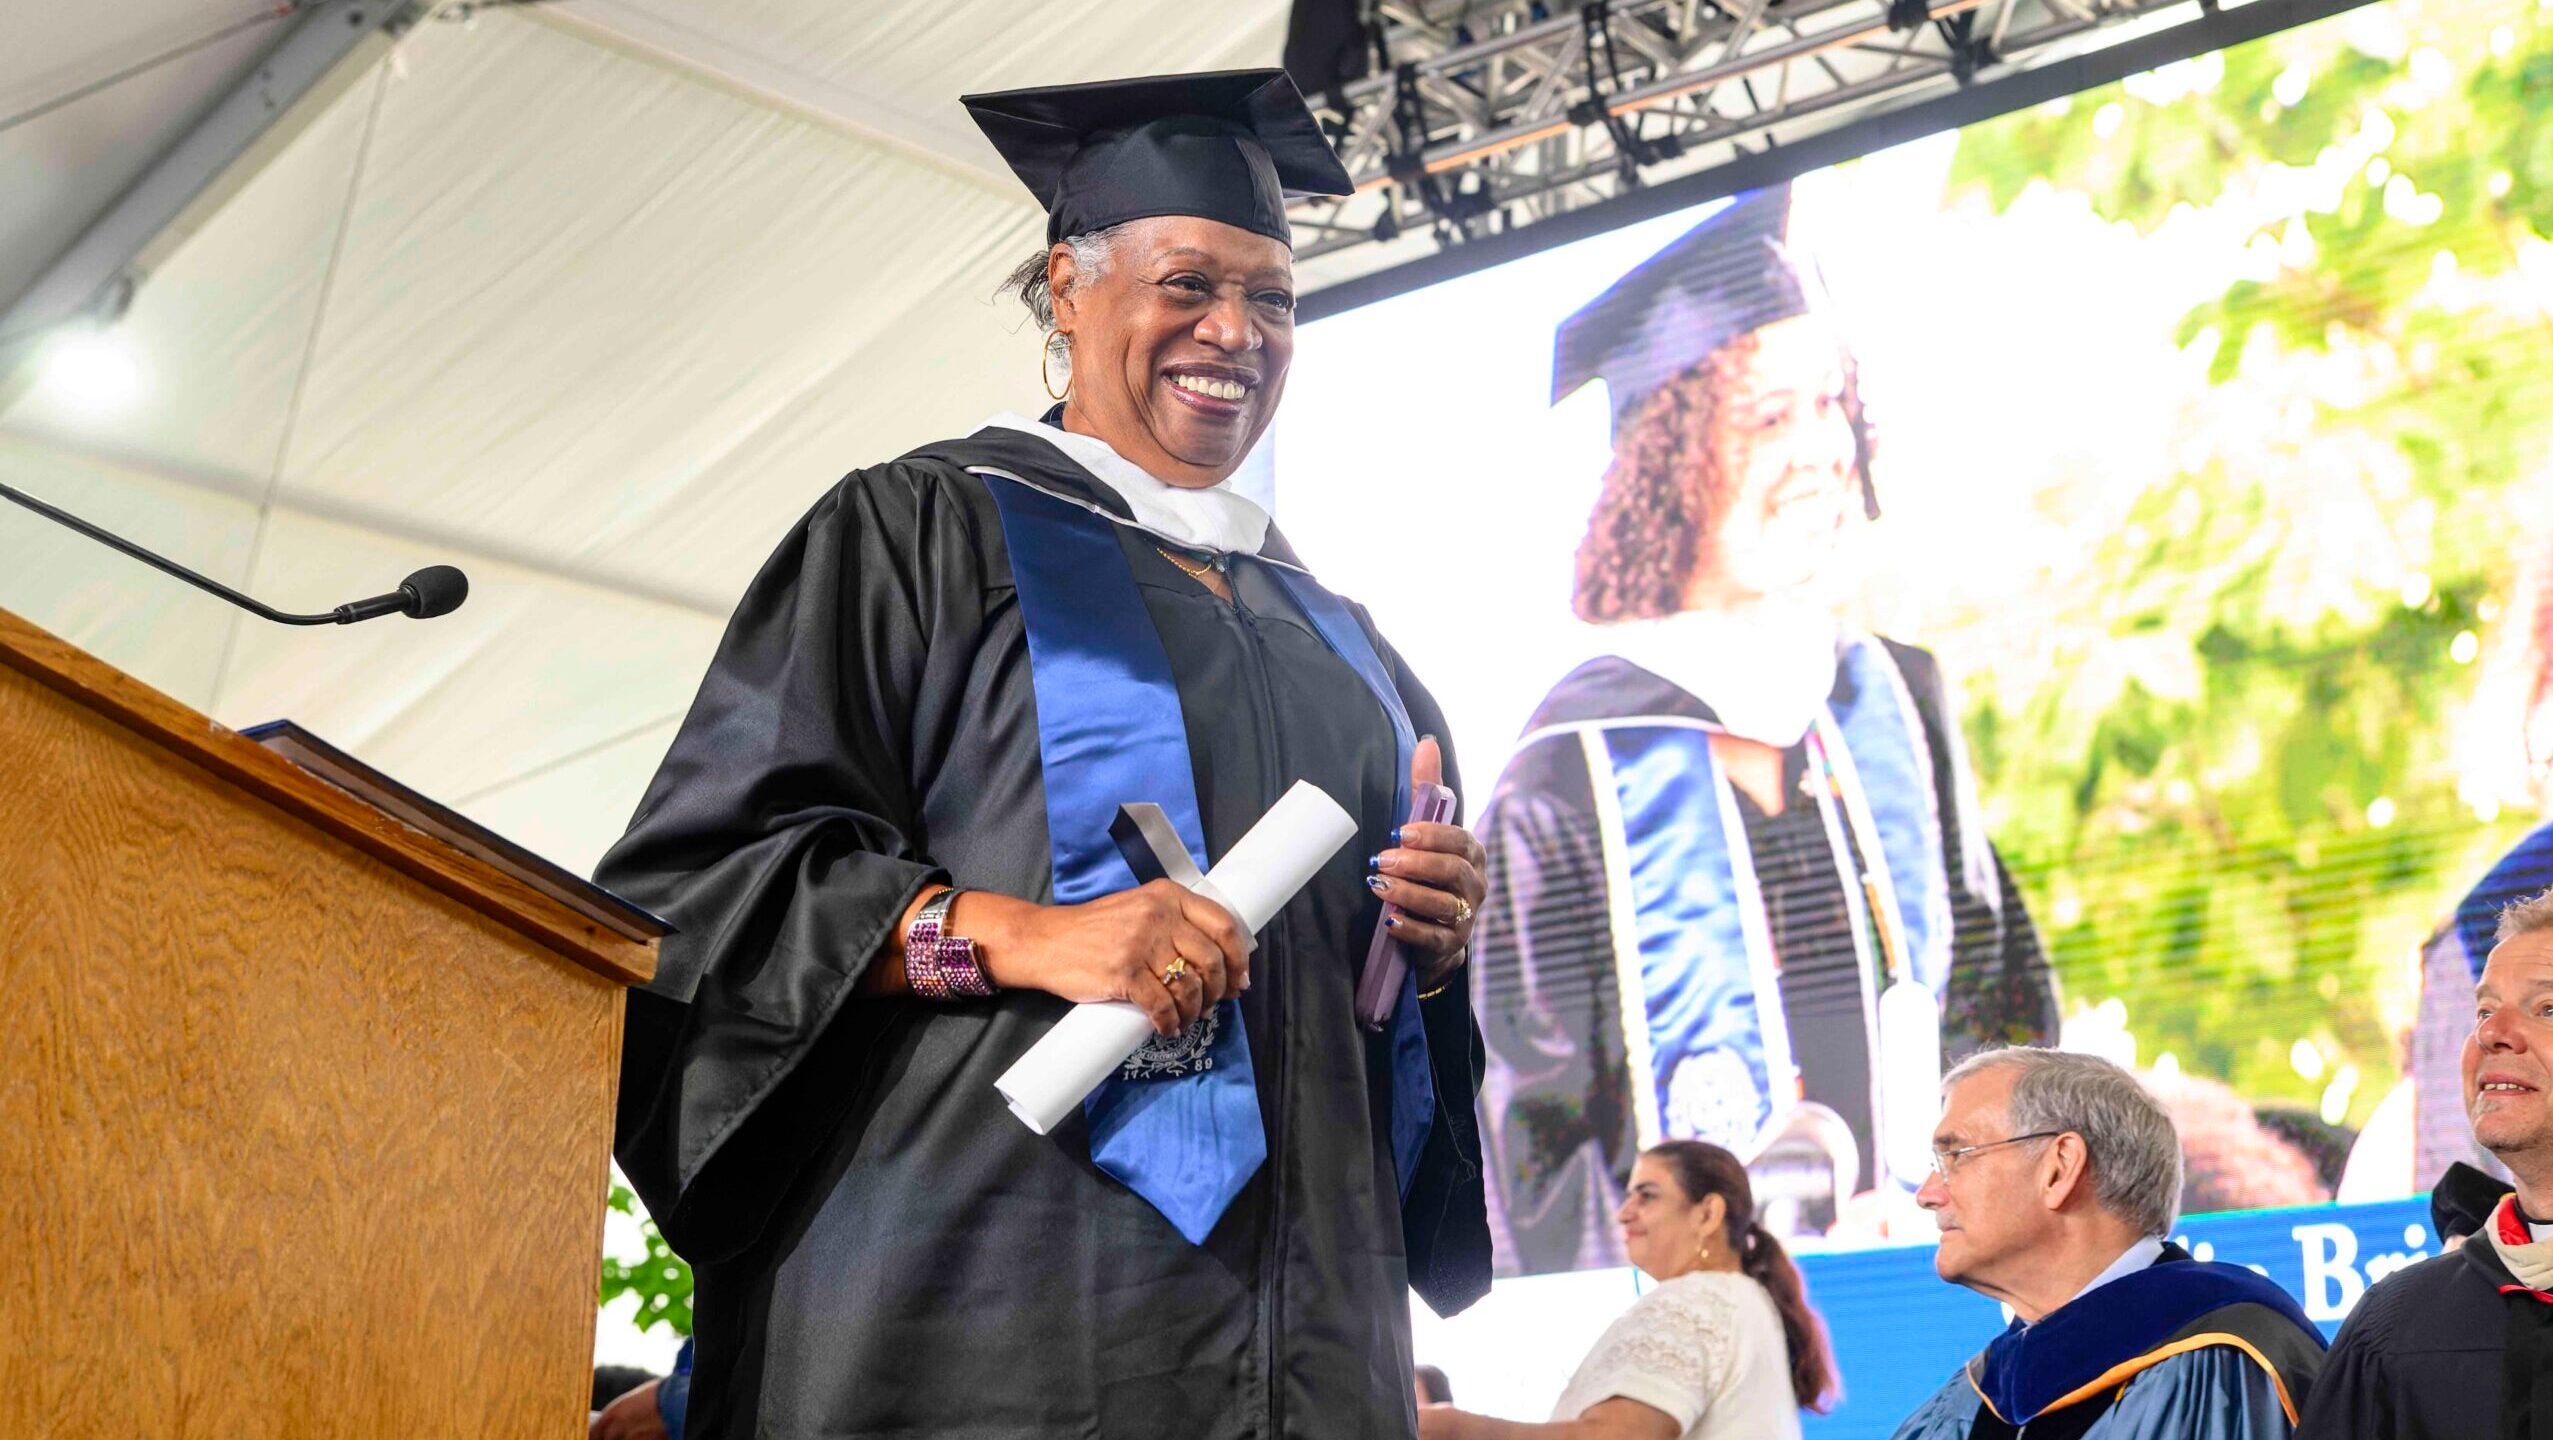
column 590, row 298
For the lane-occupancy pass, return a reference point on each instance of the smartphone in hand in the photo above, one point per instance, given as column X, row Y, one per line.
column 1378, row 990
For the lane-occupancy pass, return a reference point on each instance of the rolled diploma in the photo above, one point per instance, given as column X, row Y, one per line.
column 1254, row 879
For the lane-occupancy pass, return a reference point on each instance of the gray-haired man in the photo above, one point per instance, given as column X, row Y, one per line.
column 2055, row 1178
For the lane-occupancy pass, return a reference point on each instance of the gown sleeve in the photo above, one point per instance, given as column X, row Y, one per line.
column 780, row 838
column 2216, row 1393
column 2001, row 990
column 1947, row 1414
column 1556, row 1103
column 2352, row 1398
column 1444, row 1220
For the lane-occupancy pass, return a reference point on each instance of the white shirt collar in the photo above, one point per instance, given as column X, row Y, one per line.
column 1766, row 675
column 2136, row 1257
column 1210, row 519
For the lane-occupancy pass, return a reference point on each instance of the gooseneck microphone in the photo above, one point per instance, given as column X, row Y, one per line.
column 435, row 590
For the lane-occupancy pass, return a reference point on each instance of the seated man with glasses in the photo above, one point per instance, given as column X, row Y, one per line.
column 2055, row 1179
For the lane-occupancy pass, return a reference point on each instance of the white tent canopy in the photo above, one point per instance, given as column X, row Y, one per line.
column 591, row 298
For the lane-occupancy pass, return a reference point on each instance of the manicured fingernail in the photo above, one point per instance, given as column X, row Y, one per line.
column 1373, row 862
column 1391, row 922
column 1396, row 835
column 1377, row 884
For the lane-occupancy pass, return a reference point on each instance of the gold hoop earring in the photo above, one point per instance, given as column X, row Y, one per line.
column 1045, row 366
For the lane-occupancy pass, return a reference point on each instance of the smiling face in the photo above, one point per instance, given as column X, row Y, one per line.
column 1180, row 345
column 1782, row 441
column 2508, row 1059
column 1664, row 1230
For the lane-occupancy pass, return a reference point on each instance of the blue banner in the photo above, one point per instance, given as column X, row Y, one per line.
column 1899, row 1331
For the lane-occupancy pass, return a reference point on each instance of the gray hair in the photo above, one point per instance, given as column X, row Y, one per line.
column 1094, row 252
column 2135, row 1153
column 2525, row 917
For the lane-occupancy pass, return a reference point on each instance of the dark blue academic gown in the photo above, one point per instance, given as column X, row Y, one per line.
column 2181, row 1350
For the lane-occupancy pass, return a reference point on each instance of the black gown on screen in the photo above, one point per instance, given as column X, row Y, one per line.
column 1560, row 1105
column 881, row 1248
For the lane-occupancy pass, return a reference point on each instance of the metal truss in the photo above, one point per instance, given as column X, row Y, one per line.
column 1499, row 114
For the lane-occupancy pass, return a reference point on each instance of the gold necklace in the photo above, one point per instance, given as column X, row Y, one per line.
column 1196, row 573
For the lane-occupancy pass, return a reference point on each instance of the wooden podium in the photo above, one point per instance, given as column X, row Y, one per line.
column 306, row 1114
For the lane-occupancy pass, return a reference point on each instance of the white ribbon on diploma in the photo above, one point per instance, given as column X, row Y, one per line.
column 1253, row 880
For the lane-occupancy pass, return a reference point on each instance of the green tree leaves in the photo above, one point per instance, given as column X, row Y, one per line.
column 2229, row 777
column 661, row 1281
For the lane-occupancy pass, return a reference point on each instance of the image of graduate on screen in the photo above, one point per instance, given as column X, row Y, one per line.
column 1739, row 889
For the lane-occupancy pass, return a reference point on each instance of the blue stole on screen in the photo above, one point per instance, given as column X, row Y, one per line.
column 1699, row 985
column 1110, row 731
column 1884, row 744
column 2095, row 1342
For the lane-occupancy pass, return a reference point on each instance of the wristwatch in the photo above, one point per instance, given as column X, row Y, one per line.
column 938, row 965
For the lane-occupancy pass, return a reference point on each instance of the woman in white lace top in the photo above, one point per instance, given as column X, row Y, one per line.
column 1725, row 1345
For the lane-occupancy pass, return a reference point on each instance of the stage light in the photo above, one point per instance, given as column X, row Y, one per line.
column 92, row 372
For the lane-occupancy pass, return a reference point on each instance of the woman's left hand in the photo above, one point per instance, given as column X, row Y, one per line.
column 1437, row 875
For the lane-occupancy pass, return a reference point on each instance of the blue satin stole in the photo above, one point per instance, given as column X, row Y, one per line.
column 1110, row 731
column 1715, row 1047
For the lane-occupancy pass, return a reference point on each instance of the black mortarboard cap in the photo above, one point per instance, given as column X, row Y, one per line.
column 1723, row 278
column 1715, row 282
column 1229, row 145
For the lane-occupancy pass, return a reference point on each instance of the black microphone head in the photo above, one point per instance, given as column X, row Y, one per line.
column 435, row 590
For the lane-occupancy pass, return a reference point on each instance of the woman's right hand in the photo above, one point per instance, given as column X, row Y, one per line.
column 1117, row 947
column 1441, row 1422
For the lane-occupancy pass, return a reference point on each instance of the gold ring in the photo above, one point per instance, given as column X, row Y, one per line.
column 1462, row 911
column 1177, row 967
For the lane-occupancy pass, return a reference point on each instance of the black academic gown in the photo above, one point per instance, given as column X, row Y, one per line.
column 881, row 1249
column 2424, row 1355
column 1559, row 1107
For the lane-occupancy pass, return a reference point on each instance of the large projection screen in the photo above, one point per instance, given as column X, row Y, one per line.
column 2079, row 578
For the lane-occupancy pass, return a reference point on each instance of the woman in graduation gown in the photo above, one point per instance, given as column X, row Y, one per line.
column 1740, row 889
column 951, row 674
